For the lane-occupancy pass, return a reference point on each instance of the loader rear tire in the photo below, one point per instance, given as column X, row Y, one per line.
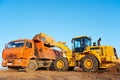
column 61, row 64
column 32, row 66
column 89, row 63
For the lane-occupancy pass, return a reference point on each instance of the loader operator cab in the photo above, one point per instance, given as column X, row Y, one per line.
column 80, row 43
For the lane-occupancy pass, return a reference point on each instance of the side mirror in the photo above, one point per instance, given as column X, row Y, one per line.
column 98, row 42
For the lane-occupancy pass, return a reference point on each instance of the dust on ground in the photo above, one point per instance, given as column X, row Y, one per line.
column 58, row 75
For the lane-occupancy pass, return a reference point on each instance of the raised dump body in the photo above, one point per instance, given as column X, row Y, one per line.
column 45, row 52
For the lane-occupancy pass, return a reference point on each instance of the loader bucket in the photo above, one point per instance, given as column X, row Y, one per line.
column 44, row 38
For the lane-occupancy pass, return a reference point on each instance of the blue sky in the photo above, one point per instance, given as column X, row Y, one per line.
column 61, row 19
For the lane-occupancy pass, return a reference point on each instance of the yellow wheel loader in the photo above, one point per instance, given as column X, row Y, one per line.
column 86, row 56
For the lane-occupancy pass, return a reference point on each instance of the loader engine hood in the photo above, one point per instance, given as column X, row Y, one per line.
column 13, row 50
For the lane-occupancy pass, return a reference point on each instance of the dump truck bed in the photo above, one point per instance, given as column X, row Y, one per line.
column 45, row 52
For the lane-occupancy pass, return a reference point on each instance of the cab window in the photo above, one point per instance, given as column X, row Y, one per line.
column 77, row 44
column 80, row 44
column 15, row 44
column 28, row 45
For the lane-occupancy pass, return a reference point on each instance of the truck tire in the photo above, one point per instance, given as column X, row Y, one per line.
column 71, row 69
column 89, row 63
column 32, row 66
column 52, row 66
column 61, row 64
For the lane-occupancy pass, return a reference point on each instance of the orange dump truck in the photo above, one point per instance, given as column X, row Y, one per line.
column 29, row 54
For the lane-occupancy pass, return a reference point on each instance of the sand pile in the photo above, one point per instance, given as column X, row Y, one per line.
column 114, row 68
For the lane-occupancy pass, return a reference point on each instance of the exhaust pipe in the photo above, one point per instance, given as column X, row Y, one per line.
column 98, row 42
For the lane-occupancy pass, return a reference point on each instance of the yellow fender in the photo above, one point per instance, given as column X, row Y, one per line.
column 94, row 54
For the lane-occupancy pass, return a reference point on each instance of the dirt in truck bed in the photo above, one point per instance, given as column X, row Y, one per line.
column 57, row 75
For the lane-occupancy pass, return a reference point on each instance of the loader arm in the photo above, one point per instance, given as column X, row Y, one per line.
column 64, row 48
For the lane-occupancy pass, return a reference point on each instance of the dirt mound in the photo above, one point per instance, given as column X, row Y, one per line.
column 57, row 75
column 115, row 68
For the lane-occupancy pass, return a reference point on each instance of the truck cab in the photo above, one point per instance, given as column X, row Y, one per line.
column 17, row 53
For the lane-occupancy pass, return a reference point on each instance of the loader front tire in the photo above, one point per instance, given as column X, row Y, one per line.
column 89, row 63
column 61, row 64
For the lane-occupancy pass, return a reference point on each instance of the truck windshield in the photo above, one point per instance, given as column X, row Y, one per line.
column 15, row 44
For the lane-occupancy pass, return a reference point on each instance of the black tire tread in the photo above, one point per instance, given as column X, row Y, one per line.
column 95, row 63
column 27, row 68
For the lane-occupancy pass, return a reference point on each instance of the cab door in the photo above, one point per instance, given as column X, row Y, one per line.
column 29, row 49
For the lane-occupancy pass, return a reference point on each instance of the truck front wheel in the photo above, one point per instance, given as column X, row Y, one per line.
column 32, row 66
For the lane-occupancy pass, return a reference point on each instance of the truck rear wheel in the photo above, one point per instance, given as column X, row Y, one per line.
column 32, row 66
column 61, row 64
column 52, row 66
column 89, row 63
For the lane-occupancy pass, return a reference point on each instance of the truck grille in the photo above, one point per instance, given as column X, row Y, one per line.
column 11, row 56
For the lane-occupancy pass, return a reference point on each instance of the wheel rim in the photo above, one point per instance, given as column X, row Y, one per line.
column 88, row 63
column 31, row 66
column 60, row 64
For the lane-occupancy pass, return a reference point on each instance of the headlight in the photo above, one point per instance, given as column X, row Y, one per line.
column 97, row 51
column 19, row 60
column 3, row 61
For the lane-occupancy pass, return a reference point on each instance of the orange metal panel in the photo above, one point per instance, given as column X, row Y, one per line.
column 46, row 52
